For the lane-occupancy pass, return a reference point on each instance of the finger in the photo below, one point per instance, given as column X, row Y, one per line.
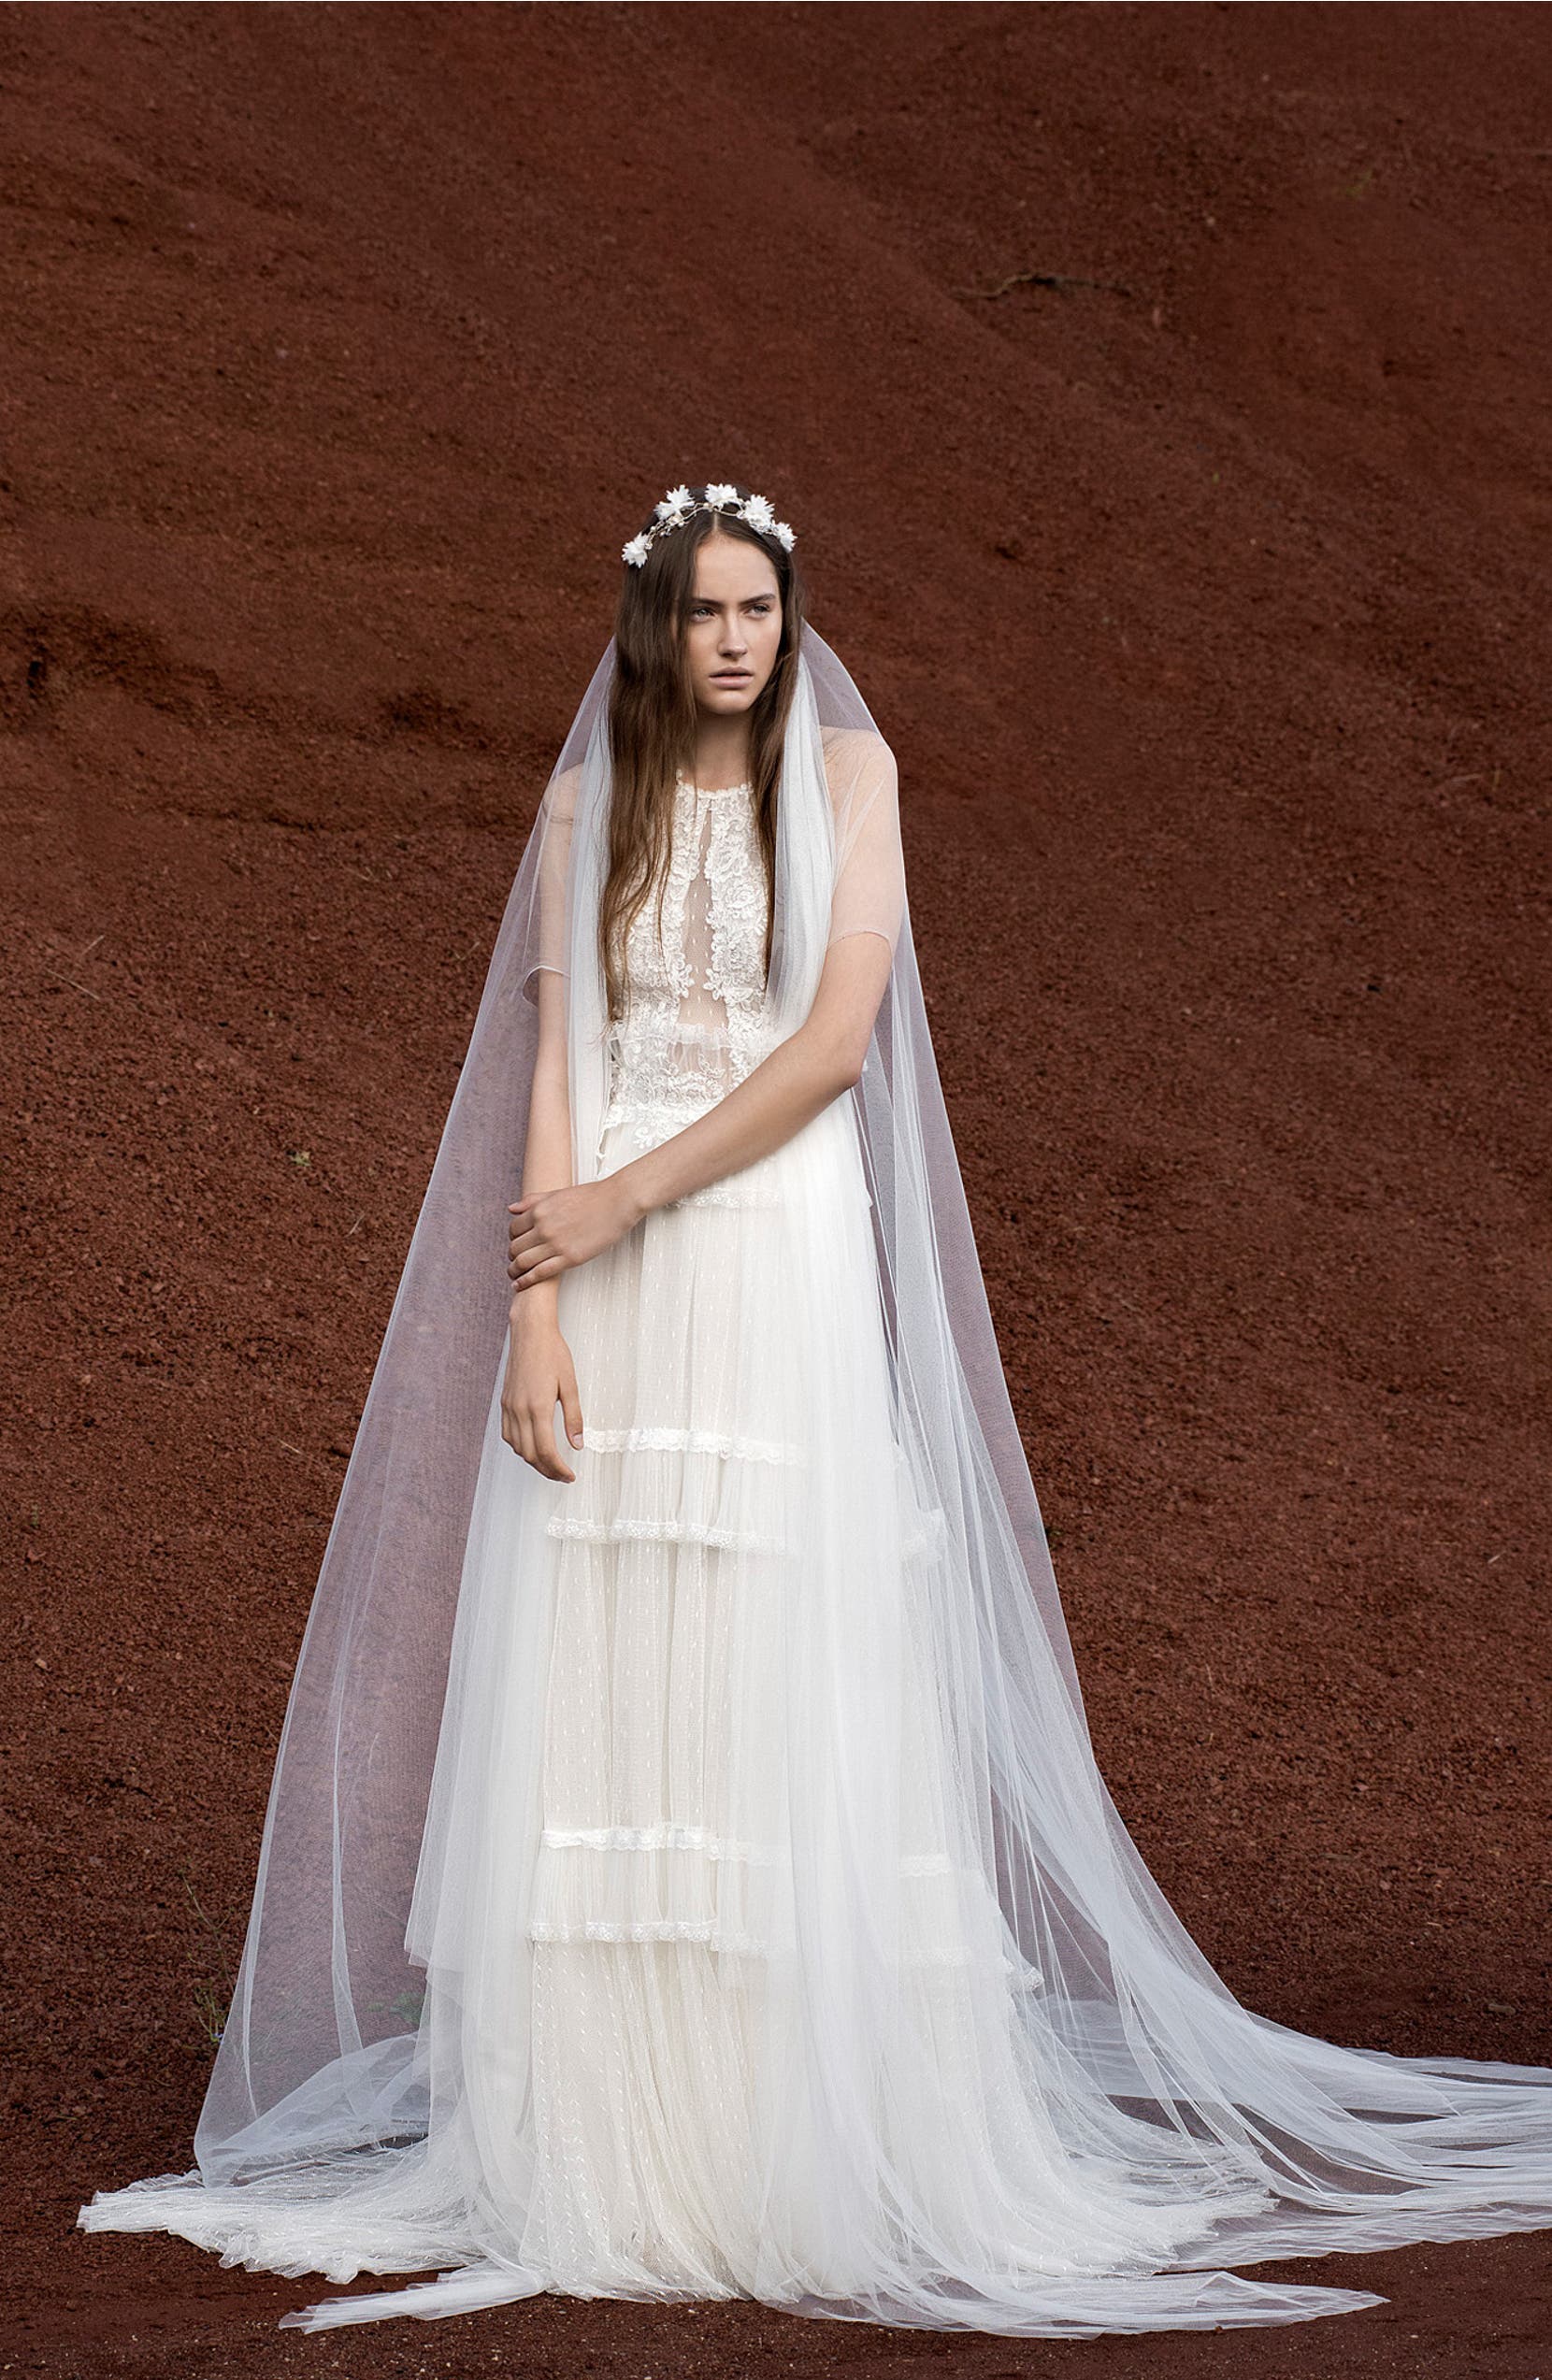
column 570, row 1405
column 550, row 1462
column 545, row 1271
column 542, row 1436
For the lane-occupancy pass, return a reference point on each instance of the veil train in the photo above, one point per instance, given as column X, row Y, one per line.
column 1076, row 2128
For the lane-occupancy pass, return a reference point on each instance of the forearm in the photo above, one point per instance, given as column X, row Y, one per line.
column 784, row 1092
column 546, row 1166
column 547, row 1151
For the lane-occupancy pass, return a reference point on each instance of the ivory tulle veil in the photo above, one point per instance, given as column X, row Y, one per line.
column 982, row 2077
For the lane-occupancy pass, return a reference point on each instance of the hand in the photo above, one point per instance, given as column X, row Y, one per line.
column 552, row 1230
column 541, row 1375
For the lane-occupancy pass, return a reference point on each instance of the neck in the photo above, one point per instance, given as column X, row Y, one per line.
column 721, row 755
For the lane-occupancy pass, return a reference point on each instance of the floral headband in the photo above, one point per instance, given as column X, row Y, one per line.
column 678, row 506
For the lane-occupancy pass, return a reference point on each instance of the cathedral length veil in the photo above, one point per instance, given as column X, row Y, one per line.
column 363, row 2100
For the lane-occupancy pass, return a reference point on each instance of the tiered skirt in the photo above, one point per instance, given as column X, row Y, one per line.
column 729, row 1636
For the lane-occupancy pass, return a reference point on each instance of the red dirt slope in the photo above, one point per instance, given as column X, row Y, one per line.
column 1160, row 396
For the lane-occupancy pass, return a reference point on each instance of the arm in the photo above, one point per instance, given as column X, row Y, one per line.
column 786, row 1091
column 547, row 1151
column 539, row 1371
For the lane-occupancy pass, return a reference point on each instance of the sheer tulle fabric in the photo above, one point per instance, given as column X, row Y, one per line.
column 696, row 1880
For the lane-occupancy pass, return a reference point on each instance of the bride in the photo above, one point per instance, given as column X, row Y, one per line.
column 686, row 1873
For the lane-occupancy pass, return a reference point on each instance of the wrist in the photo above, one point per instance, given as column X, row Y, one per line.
column 535, row 1307
column 634, row 1189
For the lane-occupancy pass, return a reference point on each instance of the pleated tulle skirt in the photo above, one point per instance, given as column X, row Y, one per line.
column 778, row 2030
column 667, row 1908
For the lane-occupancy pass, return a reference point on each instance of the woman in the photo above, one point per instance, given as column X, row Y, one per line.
column 686, row 1873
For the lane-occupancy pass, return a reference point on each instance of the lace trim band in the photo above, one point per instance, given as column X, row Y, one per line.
column 666, row 1837
column 662, row 1532
column 669, row 1835
column 705, row 1930
column 649, row 1437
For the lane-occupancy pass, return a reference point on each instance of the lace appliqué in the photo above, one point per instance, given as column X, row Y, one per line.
column 696, row 1022
column 736, row 971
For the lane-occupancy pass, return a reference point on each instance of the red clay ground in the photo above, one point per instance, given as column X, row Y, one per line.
column 1205, row 599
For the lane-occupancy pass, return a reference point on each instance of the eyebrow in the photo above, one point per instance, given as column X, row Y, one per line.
column 766, row 594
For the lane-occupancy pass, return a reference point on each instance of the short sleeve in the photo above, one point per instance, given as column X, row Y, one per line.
column 870, row 877
column 553, row 827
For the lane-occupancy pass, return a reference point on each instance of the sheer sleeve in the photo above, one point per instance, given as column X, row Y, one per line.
column 547, row 929
column 870, row 875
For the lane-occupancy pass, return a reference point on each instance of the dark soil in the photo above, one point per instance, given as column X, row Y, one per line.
column 1160, row 399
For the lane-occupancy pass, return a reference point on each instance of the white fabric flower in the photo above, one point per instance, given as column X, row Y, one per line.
column 679, row 506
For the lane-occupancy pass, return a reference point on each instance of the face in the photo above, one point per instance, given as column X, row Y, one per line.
column 733, row 626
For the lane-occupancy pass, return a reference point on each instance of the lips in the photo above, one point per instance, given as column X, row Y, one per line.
column 731, row 677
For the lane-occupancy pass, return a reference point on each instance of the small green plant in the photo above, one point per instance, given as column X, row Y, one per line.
column 406, row 2005
column 213, row 2013
column 212, row 1998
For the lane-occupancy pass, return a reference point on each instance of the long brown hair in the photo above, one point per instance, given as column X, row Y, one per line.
column 652, row 721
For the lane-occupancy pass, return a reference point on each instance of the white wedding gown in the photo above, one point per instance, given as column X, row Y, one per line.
column 719, row 1998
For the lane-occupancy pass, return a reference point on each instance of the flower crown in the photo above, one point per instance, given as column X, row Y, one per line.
column 678, row 506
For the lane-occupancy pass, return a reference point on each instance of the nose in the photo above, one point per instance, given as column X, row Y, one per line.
column 732, row 640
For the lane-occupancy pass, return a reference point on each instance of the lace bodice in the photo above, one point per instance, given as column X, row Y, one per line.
column 696, row 1020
